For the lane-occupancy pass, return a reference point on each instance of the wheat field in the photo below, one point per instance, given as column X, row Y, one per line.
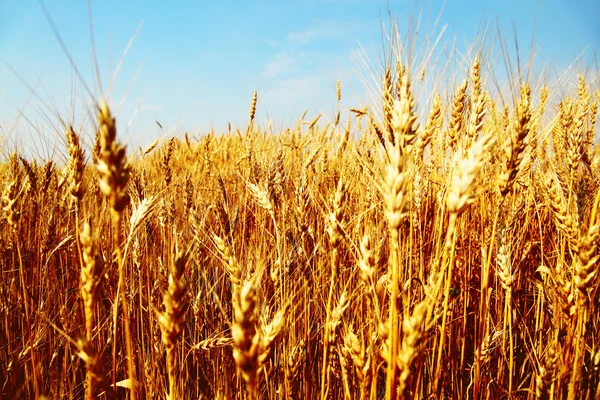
column 439, row 245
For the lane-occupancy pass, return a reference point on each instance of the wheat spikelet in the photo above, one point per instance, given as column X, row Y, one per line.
column 91, row 273
column 400, row 72
column 335, row 233
column 586, row 267
column 75, row 166
column 519, row 141
column 414, row 327
column 313, row 123
column 334, row 230
column 269, row 333
column 396, row 183
column 366, row 262
column 246, row 339
column 593, row 115
column 396, row 206
column 563, row 291
column 360, row 358
column 212, row 343
column 10, row 197
column 345, row 138
column 151, row 147
column 485, row 351
column 584, row 272
column 231, row 266
column 458, row 115
column 114, row 175
column 188, row 200
column 503, row 262
column 564, row 219
column 475, row 75
column 336, row 317
column 336, row 121
column 47, row 174
column 467, row 169
column 166, row 167
column 404, row 117
column 477, row 107
column 222, row 209
column 276, row 180
column 359, row 112
column 112, row 165
column 374, row 128
column 171, row 320
column 32, row 179
column 295, row 359
column 253, row 108
column 588, row 113
column 388, row 103
column 435, row 120
column 546, row 374
column 575, row 136
column 562, row 123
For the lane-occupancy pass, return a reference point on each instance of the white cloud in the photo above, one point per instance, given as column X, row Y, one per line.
column 303, row 74
column 294, row 91
column 282, row 63
column 313, row 88
column 323, row 30
column 330, row 29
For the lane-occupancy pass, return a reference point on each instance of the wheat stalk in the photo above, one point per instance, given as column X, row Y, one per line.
column 114, row 175
column 171, row 320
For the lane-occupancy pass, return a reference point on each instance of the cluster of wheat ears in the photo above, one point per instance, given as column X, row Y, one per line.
column 442, row 249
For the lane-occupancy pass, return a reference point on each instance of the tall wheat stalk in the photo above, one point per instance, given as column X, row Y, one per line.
column 114, row 175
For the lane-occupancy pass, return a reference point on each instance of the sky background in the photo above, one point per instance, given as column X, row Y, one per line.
column 194, row 65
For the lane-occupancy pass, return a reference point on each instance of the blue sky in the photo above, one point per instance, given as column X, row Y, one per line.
column 195, row 65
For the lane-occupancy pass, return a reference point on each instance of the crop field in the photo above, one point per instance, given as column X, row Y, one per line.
column 438, row 242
